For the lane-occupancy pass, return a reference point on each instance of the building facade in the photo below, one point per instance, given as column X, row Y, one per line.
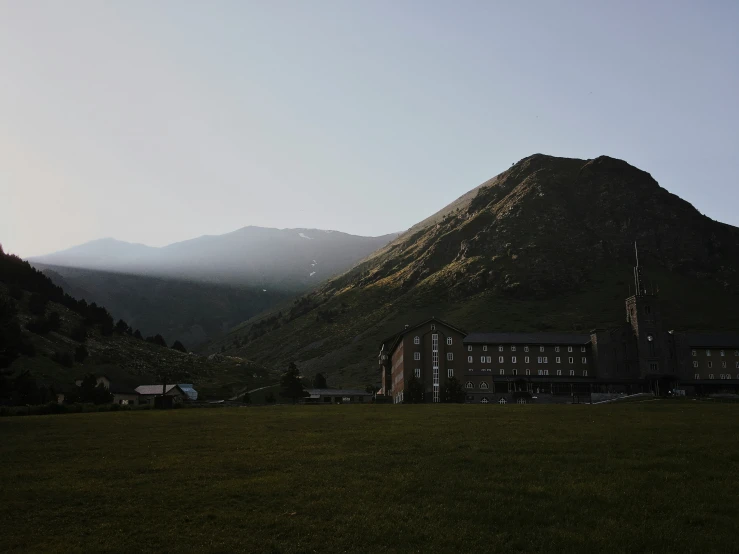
column 499, row 367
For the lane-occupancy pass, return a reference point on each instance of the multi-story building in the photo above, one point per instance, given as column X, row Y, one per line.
column 638, row 356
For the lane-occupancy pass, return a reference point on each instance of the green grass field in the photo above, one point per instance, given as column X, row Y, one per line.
column 654, row 477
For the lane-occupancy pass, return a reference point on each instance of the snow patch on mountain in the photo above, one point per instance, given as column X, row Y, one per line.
column 304, row 236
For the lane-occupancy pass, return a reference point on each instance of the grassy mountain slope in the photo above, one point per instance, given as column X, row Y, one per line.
column 547, row 244
column 27, row 298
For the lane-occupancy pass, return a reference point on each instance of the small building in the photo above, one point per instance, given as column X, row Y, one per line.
column 338, row 396
column 147, row 393
column 122, row 394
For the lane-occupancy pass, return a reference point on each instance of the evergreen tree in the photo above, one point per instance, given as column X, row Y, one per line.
column 413, row 391
column 79, row 333
column 453, row 391
column 137, row 335
column 80, row 354
column 319, row 381
column 179, row 346
column 290, row 384
column 121, row 327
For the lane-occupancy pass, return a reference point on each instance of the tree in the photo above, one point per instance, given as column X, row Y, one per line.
column 319, row 381
column 290, row 384
column 90, row 391
column 37, row 304
column 80, row 354
column 53, row 321
column 79, row 333
column 371, row 389
column 453, row 391
column 10, row 333
column 158, row 340
column 246, row 399
column 413, row 391
column 121, row 327
column 137, row 335
column 179, row 346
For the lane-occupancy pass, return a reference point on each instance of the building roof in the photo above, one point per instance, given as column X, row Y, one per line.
column 714, row 340
column 338, row 392
column 527, row 338
column 154, row 389
column 115, row 388
column 394, row 339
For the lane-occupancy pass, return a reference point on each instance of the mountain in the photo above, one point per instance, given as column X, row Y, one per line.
column 57, row 339
column 276, row 259
column 546, row 245
column 189, row 311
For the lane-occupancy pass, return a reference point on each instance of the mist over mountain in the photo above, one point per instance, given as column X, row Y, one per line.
column 545, row 245
column 284, row 259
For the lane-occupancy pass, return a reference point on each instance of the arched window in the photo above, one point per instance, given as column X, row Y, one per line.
column 484, row 385
column 484, row 400
column 469, row 385
column 528, row 372
column 416, row 340
column 502, row 401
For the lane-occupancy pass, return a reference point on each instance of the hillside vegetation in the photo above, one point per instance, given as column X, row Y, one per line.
column 545, row 245
column 57, row 339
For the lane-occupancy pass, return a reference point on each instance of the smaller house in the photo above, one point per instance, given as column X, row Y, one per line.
column 147, row 393
column 122, row 394
column 338, row 396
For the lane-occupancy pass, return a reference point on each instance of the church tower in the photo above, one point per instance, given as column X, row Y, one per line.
column 642, row 312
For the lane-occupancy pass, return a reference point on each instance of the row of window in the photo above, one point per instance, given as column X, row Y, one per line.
column 484, row 400
column 417, row 339
column 526, row 348
column 540, row 359
column 710, row 364
column 721, row 376
column 721, row 353
column 541, row 372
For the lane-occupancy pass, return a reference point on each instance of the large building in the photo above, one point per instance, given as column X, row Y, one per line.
column 639, row 356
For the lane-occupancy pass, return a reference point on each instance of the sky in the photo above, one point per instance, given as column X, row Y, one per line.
column 155, row 122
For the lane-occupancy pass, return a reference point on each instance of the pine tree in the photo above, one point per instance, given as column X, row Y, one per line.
column 290, row 384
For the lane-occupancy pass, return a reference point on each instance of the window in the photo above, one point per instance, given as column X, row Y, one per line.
column 482, row 359
column 695, row 353
column 722, row 376
column 469, row 385
column 708, row 352
column 502, row 371
column 556, row 348
column 514, row 372
column 513, row 360
column 572, row 373
column 489, row 360
column 469, row 348
column 449, row 341
column 521, row 401
column 417, row 372
column 546, row 372
column 654, row 367
column 559, row 372
column 484, row 400
column 525, row 348
column 696, row 376
column 502, row 401
column 584, row 360
column 528, row 372
column 469, row 359
column 450, row 372
column 500, row 349
column 546, row 360
column 541, row 349
column 526, row 359
column 582, row 349
column 585, row 373
column 723, row 365
column 416, row 356
column 737, row 365
column 450, row 356
column 695, row 364
column 541, row 372
column 710, row 375
column 736, row 352
column 540, row 359
column 723, row 353
column 710, row 365
column 500, row 359
column 416, row 340
column 513, row 348
column 572, row 360
column 484, row 385
column 569, row 349
column 433, row 327
column 485, row 348
column 558, row 359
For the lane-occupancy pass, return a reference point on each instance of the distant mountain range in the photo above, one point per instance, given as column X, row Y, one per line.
column 546, row 245
column 282, row 259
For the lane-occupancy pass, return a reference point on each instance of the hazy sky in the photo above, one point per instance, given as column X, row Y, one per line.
column 154, row 121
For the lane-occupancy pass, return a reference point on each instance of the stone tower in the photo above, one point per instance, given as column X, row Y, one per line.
column 642, row 312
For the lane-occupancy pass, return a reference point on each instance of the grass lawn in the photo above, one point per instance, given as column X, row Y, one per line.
column 654, row 477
